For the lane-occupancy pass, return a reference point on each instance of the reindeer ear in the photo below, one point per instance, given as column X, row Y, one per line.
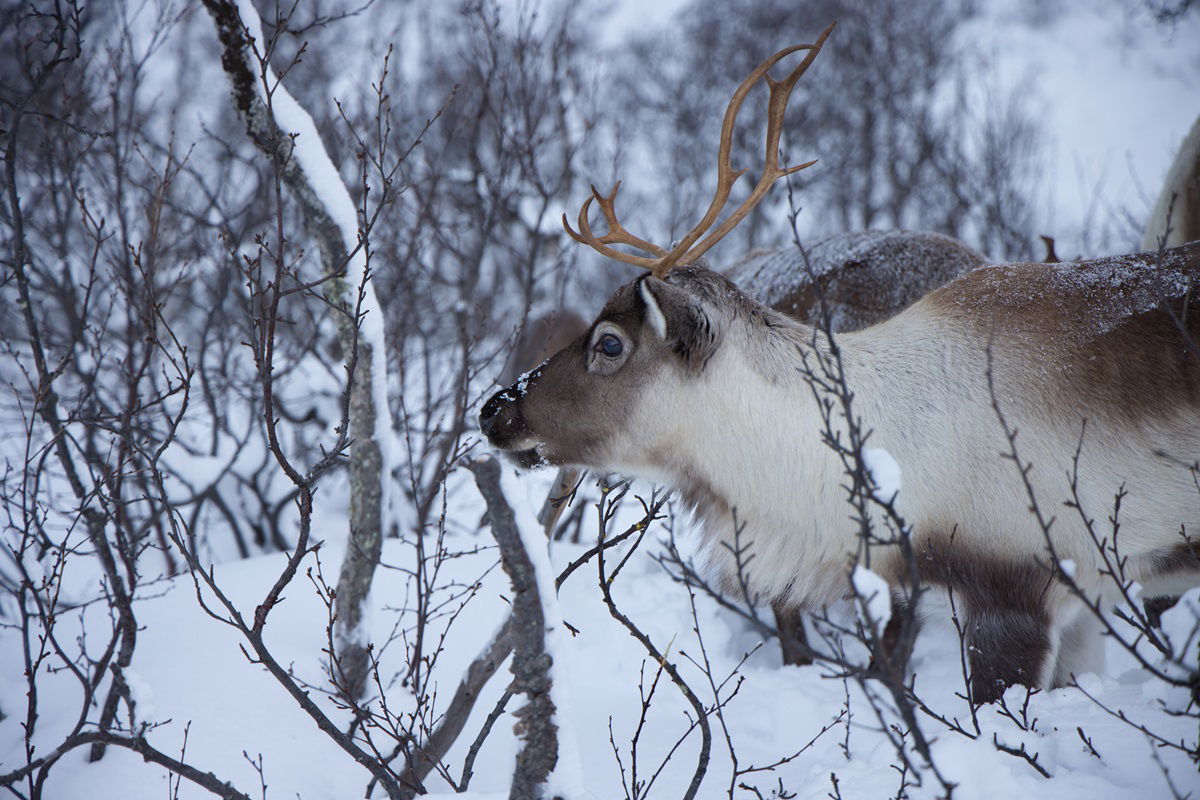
column 676, row 318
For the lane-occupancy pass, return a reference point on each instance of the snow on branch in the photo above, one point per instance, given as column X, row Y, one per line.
column 285, row 132
column 531, row 662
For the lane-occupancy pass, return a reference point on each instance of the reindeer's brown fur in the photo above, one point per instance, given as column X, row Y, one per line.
column 1073, row 327
column 1180, row 559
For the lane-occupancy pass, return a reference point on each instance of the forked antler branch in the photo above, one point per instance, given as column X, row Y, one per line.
column 687, row 250
column 616, row 232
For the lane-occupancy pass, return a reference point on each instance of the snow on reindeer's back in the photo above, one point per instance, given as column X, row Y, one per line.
column 1102, row 339
column 1082, row 300
column 864, row 277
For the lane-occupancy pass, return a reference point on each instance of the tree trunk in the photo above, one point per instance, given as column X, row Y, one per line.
column 329, row 218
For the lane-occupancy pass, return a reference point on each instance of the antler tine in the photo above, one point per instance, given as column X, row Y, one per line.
column 616, row 232
column 727, row 176
column 781, row 92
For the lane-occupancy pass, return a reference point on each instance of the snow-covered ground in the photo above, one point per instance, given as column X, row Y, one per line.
column 191, row 674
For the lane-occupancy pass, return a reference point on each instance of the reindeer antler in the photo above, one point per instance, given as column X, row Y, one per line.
column 616, row 232
column 727, row 176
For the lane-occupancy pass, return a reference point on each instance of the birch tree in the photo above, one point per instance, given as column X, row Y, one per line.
column 285, row 133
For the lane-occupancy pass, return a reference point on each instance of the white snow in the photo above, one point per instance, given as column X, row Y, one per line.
column 1116, row 94
column 142, row 696
column 198, row 674
column 885, row 473
column 873, row 595
column 1135, row 591
column 1181, row 626
column 522, row 384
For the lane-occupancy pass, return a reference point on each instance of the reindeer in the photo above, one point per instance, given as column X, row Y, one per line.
column 1176, row 215
column 859, row 279
column 686, row 380
column 856, row 279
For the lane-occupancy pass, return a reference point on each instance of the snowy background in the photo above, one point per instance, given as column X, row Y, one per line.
column 1099, row 93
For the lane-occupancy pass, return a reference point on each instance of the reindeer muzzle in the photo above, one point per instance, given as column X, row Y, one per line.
column 501, row 422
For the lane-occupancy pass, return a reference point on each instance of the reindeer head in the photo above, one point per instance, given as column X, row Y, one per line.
column 613, row 398
column 609, row 397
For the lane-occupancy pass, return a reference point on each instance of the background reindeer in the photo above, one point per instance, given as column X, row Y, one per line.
column 1176, row 215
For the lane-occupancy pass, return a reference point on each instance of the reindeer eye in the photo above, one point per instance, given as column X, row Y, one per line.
column 610, row 345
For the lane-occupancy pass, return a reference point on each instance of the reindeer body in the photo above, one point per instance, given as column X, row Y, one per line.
column 709, row 395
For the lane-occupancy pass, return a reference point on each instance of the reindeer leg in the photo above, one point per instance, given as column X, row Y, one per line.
column 573, row 524
column 793, row 641
column 560, row 496
column 1008, row 617
column 901, row 631
column 1081, row 646
column 1008, row 644
column 1156, row 606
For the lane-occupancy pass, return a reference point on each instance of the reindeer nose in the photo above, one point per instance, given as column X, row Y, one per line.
column 489, row 416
